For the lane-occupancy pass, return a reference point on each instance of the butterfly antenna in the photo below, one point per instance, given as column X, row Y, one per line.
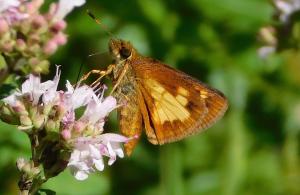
column 99, row 22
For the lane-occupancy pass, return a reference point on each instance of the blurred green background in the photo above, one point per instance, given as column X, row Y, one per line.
column 254, row 149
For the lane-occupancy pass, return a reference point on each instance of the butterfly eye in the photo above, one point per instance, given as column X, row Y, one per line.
column 125, row 52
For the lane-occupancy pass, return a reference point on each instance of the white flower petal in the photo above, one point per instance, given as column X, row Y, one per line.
column 81, row 175
column 99, row 164
column 6, row 4
column 65, row 7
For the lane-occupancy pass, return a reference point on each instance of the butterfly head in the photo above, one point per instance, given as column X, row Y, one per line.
column 120, row 49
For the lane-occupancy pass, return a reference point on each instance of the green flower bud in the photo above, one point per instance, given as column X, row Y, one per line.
column 52, row 126
column 47, row 109
column 8, row 116
column 25, row 120
column 38, row 121
column 42, row 67
column 35, row 48
column 20, row 45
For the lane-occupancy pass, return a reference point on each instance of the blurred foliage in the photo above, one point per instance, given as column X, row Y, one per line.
column 254, row 149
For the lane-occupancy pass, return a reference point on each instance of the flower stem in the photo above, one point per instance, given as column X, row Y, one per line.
column 171, row 170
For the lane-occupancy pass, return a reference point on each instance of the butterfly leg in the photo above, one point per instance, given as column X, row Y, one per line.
column 102, row 73
column 120, row 78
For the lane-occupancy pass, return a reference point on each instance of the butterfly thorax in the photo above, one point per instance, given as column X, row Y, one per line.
column 122, row 53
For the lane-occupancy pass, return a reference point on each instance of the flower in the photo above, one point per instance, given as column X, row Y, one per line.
column 6, row 4
column 42, row 33
column 87, row 156
column 97, row 110
column 9, row 10
column 286, row 8
column 265, row 51
column 64, row 7
column 39, row 106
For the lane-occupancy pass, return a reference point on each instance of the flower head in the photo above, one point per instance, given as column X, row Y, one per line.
column 39, row 106
column 42, row 33
column 286, row 8
column 88, row 153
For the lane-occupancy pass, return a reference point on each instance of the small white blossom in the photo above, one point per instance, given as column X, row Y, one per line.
column 97, row 110
column 65, row 7
column 33, row 88
column 6, row 4
column 87, row 156
column 265, row 51
column 51, row 93
column 75, row 98
column 286, row 8
column 9, row 10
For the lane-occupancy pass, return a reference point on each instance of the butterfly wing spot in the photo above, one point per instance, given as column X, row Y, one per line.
column 168, row 107
column 203, row 94
column 182, row 100
column 182, row 91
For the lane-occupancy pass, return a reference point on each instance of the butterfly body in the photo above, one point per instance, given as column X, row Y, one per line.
column 170, row 104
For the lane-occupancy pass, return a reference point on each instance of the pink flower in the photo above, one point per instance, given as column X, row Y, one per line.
column 9, row 10
column 6, row 4
column 60, row 38
column 3, row 26
column 33, row 88
column 87, row 156
column 50, row 47
column 97, row 110
column 51, row 94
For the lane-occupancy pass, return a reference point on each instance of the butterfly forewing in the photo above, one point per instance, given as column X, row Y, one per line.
column 177, row 105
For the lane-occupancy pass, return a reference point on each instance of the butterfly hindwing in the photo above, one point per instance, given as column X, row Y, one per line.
column 177, row 105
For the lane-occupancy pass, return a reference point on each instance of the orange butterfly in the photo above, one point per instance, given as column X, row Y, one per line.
column 170, row 104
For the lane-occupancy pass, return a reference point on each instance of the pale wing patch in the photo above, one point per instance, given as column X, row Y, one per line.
column 168, row 107
column 203, row 94
column 182, row 91
column 182, row 100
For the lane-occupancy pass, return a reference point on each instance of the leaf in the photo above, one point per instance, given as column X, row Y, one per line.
column 46, row 191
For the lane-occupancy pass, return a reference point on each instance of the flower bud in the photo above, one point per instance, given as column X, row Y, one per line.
column 66, row 134
column 38, row 121
column 3, row 26
column 79, row 126
column 52, row 126
column 47, row 109
column 21, row 162
column 60, row 38
column 33, row 61
column 25, row 120
column 25, row 27
column 32, row 7
column 42, row 67
column 8, row 116
column 59, row 26
column 38, row 21
column 20, row 45
column 35, row 48
column 19, row 108
column 268, row 35
column 8, row 46
column 50, row 47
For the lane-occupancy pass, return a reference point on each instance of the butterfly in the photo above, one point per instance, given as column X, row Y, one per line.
column 168, row 103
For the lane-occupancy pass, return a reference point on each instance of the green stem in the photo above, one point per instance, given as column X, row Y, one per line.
column 171, row 170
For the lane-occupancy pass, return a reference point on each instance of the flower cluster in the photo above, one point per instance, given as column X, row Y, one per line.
column 39, row 109
column 28, row 37
column 286, row 8
column 280, row 36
